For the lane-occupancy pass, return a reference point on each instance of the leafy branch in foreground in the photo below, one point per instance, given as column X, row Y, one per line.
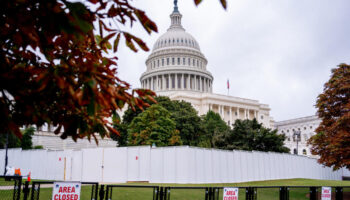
column 56, row 69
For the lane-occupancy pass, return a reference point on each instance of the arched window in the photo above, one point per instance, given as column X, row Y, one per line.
column 184, row 61
column 295, row 151
column 304, row 151
column 157, row 63
column 173, row 61
column 162, row 61
column 167, row 61
column 189, row 61
column 178, row 61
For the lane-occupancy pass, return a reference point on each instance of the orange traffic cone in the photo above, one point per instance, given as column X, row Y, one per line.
column 28, row 179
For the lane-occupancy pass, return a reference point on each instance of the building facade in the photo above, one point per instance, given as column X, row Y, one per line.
column 178, row 69
column 306, row 126
column 45, row 137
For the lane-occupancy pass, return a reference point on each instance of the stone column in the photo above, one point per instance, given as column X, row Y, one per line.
column 163, row 82
column 248, row 114
column 157, row 83
column 175, row 81
column 230, row 112
column 182, row 81
column 245, row 114
column 195, row 82
column 188, row 82
column 221, row 111
column 206, row 85
column 169, row 81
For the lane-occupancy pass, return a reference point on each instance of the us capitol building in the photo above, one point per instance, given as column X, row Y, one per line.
column 178, row 69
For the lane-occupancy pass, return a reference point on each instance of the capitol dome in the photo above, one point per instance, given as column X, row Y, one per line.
column 176, row 62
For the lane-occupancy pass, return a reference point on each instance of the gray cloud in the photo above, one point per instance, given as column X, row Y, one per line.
column 277, row 52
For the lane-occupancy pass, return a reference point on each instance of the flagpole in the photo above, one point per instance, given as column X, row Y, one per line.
column 228, row 87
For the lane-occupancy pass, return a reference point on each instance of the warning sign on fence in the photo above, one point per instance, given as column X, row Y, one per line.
column 326, row 193
column 66, row 191
column 230, row 194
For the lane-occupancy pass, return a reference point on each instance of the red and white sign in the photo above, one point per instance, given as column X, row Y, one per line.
column 66, row 191
column 230, row 194
column 326, row 193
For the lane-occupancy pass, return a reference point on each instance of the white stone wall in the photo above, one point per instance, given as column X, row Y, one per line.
column 51, row 141
column 306, row 125
column 228, row 107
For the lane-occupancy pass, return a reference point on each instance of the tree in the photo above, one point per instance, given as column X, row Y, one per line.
column 15, row 142
column 184, row 115
column 214, row 129
column 154, row 126
column 55, row 69
column 250, row 135
column 26, row 142
column 186, row 119
column 332, row 139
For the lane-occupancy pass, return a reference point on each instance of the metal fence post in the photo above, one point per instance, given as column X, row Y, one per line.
column 160, row 194
column 251, row 193
column 208, row 193
column 313, row 193
column 17, row 188
column 26, row 190
column 166, row 194
column 94, row 191
column 284, row 193
column 338, row 193
column 35, row 191
column 102, row 192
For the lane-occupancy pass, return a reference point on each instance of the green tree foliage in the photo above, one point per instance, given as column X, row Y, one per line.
column 186, row 119
column 154, row 125
column 214, row 128
column 184, row 115
column 250, row 135
column 26, row 142
column 15, row 142
column 332, row 141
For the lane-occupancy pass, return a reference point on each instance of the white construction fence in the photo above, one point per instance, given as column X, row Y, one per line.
column 181, row 164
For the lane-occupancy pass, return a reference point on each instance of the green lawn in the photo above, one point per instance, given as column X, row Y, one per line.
column 198, row 194
column 263, row 193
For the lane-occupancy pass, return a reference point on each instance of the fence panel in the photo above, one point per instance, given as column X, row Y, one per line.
column 42, row 190
column 10, row 187
column 187, row 193
column 132, row 192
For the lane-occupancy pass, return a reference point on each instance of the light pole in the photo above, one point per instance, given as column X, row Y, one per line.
column 297, row 137
column 6, row 158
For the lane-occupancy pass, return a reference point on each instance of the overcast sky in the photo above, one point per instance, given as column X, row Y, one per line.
column 279, row 52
